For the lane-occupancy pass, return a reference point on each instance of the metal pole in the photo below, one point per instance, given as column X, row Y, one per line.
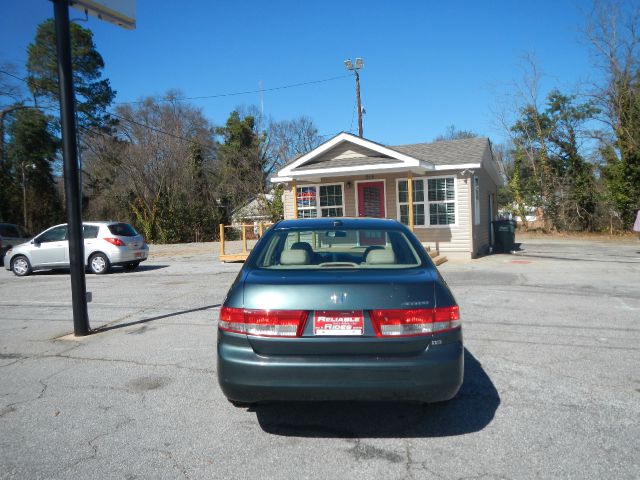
column 359, row 106
column 24, row 198
column 71, row 179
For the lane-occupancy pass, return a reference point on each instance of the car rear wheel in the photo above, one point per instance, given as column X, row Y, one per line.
column 99, row 264
column 240, row 404
column 131, row 266
column 20, row 266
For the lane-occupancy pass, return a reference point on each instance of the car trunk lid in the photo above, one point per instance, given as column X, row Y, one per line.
column 134, row 243
column 344, row 293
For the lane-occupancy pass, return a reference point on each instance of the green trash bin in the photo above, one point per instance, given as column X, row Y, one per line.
column 504, row 235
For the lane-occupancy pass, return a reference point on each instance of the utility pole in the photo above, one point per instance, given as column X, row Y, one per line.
column 359, row 64
column 71, row 177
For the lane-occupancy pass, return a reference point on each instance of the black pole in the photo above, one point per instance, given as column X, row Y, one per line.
column 359, row 105
column 71, row 179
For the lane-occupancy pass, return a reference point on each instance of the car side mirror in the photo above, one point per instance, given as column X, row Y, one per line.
column 35, row 242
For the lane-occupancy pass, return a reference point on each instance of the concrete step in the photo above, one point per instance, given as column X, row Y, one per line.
column 438, row 260
column 435, row 255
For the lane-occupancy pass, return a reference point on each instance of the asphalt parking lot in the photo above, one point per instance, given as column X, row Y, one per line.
column 552, row 380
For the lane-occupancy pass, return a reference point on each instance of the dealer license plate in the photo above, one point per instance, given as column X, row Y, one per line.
column 139, row 254
column 348, row 322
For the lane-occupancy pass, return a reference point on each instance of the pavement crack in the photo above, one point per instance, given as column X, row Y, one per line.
column 409, row 460
column 94, row 447
column 134, row 362
column 177, row 465
column 11, row 407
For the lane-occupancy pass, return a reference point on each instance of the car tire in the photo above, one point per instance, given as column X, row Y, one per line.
column 131, row 266
column 240, row 404
column 99, row 264
column 20, row 266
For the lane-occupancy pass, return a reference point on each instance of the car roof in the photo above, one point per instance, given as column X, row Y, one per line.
column 88, row 222
column 333, row 222
column 92, row 222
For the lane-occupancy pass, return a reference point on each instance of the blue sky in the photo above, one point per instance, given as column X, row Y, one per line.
column 427, row 64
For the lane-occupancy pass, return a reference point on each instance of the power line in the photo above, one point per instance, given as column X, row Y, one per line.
column 157, row 130
column 247, row 92
column 14, row 76
column 115, row 115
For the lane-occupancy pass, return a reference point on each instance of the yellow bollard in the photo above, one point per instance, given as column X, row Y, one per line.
column 244, row 239
column 221, row 240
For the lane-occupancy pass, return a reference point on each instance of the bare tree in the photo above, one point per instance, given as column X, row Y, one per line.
column 613, row 31
column 281, row 141
column 452, row 133
column 157, row 166
column 12, row 98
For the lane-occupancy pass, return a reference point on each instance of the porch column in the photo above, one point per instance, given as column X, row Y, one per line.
column 295, row 199
column 410, row 191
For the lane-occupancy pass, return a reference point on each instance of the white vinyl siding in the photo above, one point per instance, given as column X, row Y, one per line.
column 487, row 186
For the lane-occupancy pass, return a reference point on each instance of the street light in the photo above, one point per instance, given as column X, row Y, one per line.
column 358, row 66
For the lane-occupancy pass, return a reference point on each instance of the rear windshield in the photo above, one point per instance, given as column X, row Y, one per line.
column 348, row 249
column 122, row 230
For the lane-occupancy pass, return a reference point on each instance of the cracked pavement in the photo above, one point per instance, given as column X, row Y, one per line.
column 552, row 380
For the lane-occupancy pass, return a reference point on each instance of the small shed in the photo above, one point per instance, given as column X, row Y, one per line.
column 254, row 211
column 444, row 191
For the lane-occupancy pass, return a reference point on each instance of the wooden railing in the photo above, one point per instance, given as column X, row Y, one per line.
column 245, row 228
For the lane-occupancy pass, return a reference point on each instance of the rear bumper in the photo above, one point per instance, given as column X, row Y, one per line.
column 123, row 256
column 432, row 376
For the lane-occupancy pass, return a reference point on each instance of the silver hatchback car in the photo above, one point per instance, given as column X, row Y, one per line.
column 106, row 244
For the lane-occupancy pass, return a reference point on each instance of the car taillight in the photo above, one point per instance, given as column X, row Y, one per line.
column 115, row 241
column 268, row 323
column 417, row 321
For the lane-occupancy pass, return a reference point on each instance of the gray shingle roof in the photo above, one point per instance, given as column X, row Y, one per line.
column 448, row 152
column 347, row 162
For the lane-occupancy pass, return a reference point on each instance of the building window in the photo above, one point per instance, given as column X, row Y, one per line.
column 330, row 203
column 418, row 202
column 436, row 207
column 307, row 202
column 442, row 201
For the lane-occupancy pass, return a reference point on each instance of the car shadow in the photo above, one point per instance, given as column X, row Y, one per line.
column 114, row 270
column 470, row 411
column 141, row 268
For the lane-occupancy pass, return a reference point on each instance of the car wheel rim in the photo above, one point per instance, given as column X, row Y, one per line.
column 98, row 264
column 20, row 266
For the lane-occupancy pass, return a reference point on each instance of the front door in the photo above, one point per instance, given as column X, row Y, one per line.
column 371, row 199
column 371, row 204
column 51, row 248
